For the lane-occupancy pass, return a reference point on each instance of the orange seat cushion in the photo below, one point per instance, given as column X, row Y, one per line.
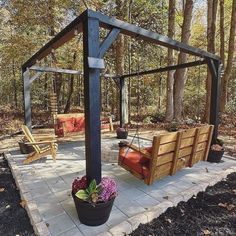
column 58, row 130
column 67, row 123
column 136, row 162
column 79, row 123
column 105, row 126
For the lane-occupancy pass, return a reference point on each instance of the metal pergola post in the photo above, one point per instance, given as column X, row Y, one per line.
column 92, row 100
column 122, row 102
column 214, row 66
column 27, row 99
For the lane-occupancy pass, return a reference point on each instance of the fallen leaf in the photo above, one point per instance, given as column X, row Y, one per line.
column 23, row 203
column 8, row 206
column 2, row 190
column 47, row 224
column 206, row 232
column 168, row 220
column 166, row 197
column 207, row 170
column 230, row 207
column 222, row 205
column 234, row 191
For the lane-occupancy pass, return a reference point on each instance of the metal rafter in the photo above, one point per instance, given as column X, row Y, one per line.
column 164, row 69
column 107, row 22
column 55, row 70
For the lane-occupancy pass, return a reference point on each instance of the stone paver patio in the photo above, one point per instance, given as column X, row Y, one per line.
column 46, row 187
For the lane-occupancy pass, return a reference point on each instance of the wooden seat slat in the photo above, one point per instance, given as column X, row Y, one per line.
column 166, row 148
column 188, row 133
column 203, row 138
column 185, row 151
column 168, row 138
column 187, row 142
column 162, row 159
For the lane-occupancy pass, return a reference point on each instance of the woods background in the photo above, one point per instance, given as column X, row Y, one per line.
column 25, row 26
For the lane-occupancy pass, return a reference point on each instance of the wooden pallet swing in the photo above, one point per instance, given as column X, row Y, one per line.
column 169, row 152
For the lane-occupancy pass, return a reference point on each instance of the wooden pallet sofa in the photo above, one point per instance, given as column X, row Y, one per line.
column 69, row 123
column 168, row 154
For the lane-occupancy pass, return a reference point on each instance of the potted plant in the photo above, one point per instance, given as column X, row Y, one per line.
column 173, row 126
column 25, row 148
column 121, row 133
column 216, row 152
column 94, row 201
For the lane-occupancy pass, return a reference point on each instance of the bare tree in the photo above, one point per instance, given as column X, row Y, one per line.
column 222, row 31
column 180, row 75
column 211, row 34
column 122, row 14
column 231, row 48
column 170, row 75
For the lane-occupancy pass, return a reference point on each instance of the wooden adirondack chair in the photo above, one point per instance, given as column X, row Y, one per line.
column 37, row 142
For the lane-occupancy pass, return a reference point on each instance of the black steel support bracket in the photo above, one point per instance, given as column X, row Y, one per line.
column 107, row 42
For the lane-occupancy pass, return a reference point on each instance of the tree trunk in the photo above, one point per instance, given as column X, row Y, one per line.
column 71, row 87
column 180, row 75
column 211, row 33
column 14, row 83
column 170, row 76
column 222, row 32
column 231, row 48
column 70, row 92
column 122, row 14
column 79, row 95
column 45, row 103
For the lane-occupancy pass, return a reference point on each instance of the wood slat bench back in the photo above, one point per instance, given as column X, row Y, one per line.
column 172, row 152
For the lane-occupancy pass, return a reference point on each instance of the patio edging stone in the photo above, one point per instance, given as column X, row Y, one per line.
column 132, row 223
column 39, row 226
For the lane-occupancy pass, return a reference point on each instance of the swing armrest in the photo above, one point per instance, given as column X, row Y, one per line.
column 137, row 149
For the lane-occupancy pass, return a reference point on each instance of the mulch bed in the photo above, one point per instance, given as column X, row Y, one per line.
column 212, row 212
column 13, row 217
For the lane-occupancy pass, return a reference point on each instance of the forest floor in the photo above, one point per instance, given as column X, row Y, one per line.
column 212, row 212
column 14, row 218
column 11, row 121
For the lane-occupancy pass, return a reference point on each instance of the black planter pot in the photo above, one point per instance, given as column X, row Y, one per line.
column 122, row 134
column 93, row 215
column 25, row 148
column 215, row 156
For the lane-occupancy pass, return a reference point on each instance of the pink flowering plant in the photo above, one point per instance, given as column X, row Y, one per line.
column 94, row 193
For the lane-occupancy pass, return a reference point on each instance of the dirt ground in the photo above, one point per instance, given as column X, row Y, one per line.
column 13, row 217
column 212, row 212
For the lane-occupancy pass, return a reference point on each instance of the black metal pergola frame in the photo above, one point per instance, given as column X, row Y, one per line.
column 89, row 23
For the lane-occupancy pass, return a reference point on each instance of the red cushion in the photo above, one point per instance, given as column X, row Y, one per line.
column 67, row 123
column 79, row 123
column 58, row 130
column 105, row 126
column 136, row 162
